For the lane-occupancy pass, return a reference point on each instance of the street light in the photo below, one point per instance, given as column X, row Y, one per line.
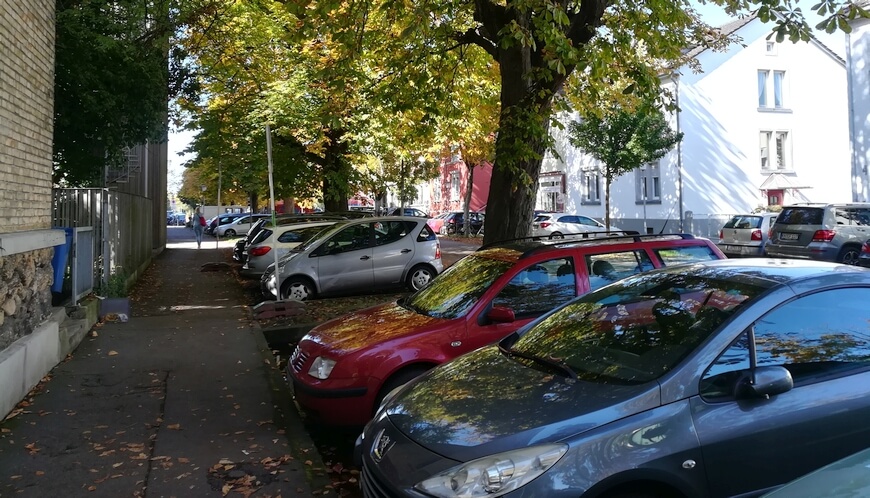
column 202, row 197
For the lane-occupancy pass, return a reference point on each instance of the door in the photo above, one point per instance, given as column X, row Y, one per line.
column 393, row 251
column 823, row 339
column 344, row 261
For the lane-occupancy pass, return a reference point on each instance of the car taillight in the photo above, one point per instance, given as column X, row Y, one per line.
column 865, row 248
column 437, row 250
column 756, row 234
column 259, row 250
column 720, row 234
column 824, row 235
column 545, row 224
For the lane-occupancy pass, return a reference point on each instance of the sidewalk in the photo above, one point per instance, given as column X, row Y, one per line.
column 183, row 400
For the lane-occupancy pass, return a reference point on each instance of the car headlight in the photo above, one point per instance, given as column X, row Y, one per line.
column 494, row 475
column 321, row 368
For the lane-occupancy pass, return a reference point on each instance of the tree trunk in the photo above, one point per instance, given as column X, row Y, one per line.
column 519, row 149
column 336, row 172
column 469, row 186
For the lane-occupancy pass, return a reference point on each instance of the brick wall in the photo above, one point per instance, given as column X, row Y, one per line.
column 26, row 113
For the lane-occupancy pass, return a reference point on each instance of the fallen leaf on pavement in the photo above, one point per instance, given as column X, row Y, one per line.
column 112, row 353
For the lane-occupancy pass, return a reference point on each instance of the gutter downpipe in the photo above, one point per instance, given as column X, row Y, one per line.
column 679, row 153
column 857, row 171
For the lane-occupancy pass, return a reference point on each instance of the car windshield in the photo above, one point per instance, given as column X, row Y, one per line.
column 801, row 216
column 636, row 330
column 744, row 222
column 456, row 290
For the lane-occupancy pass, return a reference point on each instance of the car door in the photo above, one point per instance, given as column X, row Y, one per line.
column 823, row 340
column 344, row 261
column 533, row 290
column 393, row 250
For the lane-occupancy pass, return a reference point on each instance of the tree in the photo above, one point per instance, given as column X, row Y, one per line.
column 623, row 139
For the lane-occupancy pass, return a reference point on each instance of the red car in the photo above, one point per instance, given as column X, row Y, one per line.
column 342, row 369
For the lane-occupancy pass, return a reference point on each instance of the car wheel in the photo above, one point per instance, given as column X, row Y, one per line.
column 230, row 233
column 419, row 277
column 297, row 289
column 557, row 235
column 398, row 379
column 849, row 255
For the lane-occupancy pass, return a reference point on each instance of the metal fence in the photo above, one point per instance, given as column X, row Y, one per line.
column 121, row 232
column 82, row 262
column 705, row 225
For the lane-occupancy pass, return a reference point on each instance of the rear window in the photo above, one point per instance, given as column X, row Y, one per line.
column 801, row 216
column 744, row 222
column 681, row 255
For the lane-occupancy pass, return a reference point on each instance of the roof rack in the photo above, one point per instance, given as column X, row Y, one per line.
column 589, row 238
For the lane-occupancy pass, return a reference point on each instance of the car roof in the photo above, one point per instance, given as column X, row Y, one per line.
column 775, row 269
column 527, row 246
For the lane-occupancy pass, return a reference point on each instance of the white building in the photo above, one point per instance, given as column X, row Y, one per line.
column 764, row 123
column 858, row 67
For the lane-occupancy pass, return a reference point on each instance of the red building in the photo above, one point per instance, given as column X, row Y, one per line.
column 447, row 192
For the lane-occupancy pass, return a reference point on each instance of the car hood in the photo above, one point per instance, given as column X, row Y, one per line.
column 359, row 329
column 484, row 402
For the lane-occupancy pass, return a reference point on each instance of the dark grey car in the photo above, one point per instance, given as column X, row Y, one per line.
column 714, row 379
column 826, row 232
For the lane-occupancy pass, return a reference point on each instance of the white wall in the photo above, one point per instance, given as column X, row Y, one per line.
column 858, row 57
column 721, row 170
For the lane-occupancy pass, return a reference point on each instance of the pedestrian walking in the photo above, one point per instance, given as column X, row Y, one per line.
column 198, row 223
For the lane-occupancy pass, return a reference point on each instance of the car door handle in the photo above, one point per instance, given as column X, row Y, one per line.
column 405, row 251
column 364, row 258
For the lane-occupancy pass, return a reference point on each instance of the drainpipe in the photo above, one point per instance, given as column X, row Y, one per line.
column 679, row 154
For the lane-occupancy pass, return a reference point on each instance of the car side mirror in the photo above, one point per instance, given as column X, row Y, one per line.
column 501, row 314
column 765, row 382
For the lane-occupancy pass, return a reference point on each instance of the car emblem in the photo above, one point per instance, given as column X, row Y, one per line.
column 383, row 443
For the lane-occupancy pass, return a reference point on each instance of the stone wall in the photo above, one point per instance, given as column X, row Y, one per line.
column 25, row 293
column 26, row 114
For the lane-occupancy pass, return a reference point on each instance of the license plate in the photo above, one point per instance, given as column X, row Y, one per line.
column 789, row 236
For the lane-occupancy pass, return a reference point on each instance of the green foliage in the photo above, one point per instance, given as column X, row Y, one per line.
column 116, row 285
column 624, row 139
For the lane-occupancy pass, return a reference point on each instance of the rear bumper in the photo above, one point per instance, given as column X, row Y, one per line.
column 820, row 251
column 742, row 251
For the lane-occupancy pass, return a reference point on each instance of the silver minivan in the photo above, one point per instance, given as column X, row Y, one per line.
column 826, row 232
column 358, row 256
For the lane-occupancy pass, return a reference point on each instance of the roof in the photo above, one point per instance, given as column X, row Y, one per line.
column 780, row 181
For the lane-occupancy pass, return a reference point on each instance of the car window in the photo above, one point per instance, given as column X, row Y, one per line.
column 636, row 330
column 388, row 232
column 299, row 234
column 456, row 290
column 607, row 268
column 801, row 216
column 426, row 233
column 853, row 216
column 815, row 337
column 681, row 255
column 539, row 288
column 351, row 238
column 588, row 221
column 744, row 222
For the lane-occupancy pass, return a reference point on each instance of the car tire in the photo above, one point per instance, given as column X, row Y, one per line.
column 556, row 235
column 297, row 289
column 849, row 255
column 419, row 277
column 398, row 379
column 230, row 233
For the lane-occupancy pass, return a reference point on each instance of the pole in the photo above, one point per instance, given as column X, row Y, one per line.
column 272, row 206
column 217, row 238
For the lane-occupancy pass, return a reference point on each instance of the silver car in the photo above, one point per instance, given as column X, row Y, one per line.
column 557, row 225
column 826, row 232
column 240, row 225
column 258, row 256
column 746, row 234
column 357, row 256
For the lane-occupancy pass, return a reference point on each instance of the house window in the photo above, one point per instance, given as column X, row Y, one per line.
column 591, row 184
column 454, row 185
column 436, row 189
column 648, row 183
column 770, row 48
column 771, row 90
column 775, row 150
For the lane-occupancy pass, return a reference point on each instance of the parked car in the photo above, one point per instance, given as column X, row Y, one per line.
column 826, row 232
column 254, row 236
column 864, row 256
column 454, row 222
column 239, row 225
column 224, row 219
column 557, row 225
column 845, row 478
column 746, row 234
column 260, row 254
column 358, row 255
column 408, row 211
column 720, row 378
column 343, row 368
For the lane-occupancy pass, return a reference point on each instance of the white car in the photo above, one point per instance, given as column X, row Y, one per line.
column 261, row 253
column 557, row 225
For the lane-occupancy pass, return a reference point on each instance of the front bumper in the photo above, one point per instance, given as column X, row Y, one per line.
column 346, row 403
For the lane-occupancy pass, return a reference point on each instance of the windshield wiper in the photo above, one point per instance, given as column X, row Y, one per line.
column 547, row 362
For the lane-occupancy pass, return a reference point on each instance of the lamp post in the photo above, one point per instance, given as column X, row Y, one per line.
column 202, row 197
